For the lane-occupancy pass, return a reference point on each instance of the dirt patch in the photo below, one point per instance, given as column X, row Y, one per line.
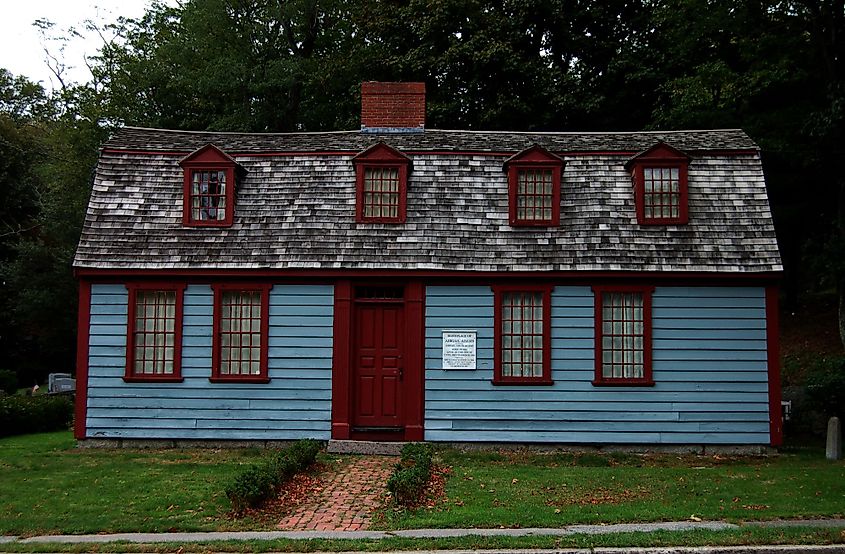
column 289, row 496
column 435, row 491
column 597, row 496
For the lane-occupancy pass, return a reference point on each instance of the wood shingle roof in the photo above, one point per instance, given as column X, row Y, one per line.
column 295, row 206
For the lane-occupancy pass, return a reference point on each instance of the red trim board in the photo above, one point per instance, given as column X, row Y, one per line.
column 83, row 324
column 625, row 153
column 586, row 277
column 773, row 347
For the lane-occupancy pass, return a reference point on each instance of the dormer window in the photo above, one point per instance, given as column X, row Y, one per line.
column 659, row 176
column 209, row 190
column 381, row 184
column 534, row 187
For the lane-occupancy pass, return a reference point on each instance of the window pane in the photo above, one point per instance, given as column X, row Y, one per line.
column 155, row 333
column 381, row 192
column 208, row 195
column 522, row 334
column 240, row 332
column 661, row 193
column 534, row 195
column 622, row 335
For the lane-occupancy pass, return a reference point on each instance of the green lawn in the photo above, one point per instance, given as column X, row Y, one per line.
column 801, row 536
column 49, row 486
column 519, row 489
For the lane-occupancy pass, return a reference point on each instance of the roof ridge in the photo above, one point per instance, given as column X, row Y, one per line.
column 135, row 127
column 470, row 131
column 590, row 132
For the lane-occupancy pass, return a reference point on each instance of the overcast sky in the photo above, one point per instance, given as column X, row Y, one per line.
column 22, row 50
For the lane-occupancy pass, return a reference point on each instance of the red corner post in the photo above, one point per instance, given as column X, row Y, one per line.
column 414, row 362
column 773, row 347
column 341, row 378
column 82, row 332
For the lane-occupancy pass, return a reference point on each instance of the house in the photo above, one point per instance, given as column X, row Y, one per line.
column 402, row 283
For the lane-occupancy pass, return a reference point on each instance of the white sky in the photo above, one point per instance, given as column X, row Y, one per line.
column 21, row 47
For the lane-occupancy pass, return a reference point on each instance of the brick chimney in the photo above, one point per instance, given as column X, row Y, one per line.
column 392, row 107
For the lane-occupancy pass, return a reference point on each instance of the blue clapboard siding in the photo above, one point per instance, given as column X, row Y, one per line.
column 296, row 403
column 710, row 366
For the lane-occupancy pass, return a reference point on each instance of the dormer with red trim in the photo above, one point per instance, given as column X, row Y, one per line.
column 660, row 176
column 534, row 177
column 381, row 184
column 209, row 188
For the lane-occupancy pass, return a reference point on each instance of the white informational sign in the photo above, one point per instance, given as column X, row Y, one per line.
column 459, row 349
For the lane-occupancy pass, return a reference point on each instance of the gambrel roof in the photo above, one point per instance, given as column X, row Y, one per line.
column 295, row 205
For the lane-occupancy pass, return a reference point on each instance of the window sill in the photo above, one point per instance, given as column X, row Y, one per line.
column 247, row 379
column 624, row 383
column 383, row 221
column 153, row 379
column 663, row 222
column 204, row 224
column 522, row 382
column 541, row 224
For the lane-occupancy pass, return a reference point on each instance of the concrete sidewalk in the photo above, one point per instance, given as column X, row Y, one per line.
column 423, row 533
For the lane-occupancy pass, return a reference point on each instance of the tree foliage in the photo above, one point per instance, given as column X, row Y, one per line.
column 237, row 65
column 771, row 67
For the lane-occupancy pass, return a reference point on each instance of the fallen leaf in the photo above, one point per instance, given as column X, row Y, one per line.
column 694, row 517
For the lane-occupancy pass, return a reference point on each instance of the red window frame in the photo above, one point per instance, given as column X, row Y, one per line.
column 535, row 158
column 130, row 376
column 499, row 291
column 217, row 343
column 660, row 156
column 647, row 378
column 381, row 156
column 208, row 159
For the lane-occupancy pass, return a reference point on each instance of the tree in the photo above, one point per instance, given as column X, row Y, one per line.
column 48, row 146
column 775, row 70
column 237, row 65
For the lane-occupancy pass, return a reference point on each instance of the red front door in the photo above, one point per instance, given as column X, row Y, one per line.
column 379, row 335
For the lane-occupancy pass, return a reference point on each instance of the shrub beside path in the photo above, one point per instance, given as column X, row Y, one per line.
column 349, row 496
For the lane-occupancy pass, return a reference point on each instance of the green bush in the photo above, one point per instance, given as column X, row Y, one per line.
column 259, row 482
column 826, row 387
column 303, row 452
column 251, row 487
column 34, row 414
column 411, row 474
column 8, row 381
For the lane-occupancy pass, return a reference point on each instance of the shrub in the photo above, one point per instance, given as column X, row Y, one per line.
column 252, row 486
column 257, row 483
column 411, row 474
column 8, row 381
column 304, row 452
column 592, row 460
column 34, row 414
column 826, row 386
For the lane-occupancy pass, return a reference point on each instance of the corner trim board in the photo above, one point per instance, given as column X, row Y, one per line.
column 82, row 342
column 773, row 355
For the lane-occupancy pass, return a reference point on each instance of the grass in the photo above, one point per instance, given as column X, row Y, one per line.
column 47, row 486
column 521, row 489
column 750, row 536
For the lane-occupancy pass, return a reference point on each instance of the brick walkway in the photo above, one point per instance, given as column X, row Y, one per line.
column 348, row 498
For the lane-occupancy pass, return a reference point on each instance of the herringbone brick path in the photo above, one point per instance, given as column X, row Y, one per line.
column 349, row 496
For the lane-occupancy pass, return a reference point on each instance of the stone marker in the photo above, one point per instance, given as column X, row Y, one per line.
column 834, row 439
